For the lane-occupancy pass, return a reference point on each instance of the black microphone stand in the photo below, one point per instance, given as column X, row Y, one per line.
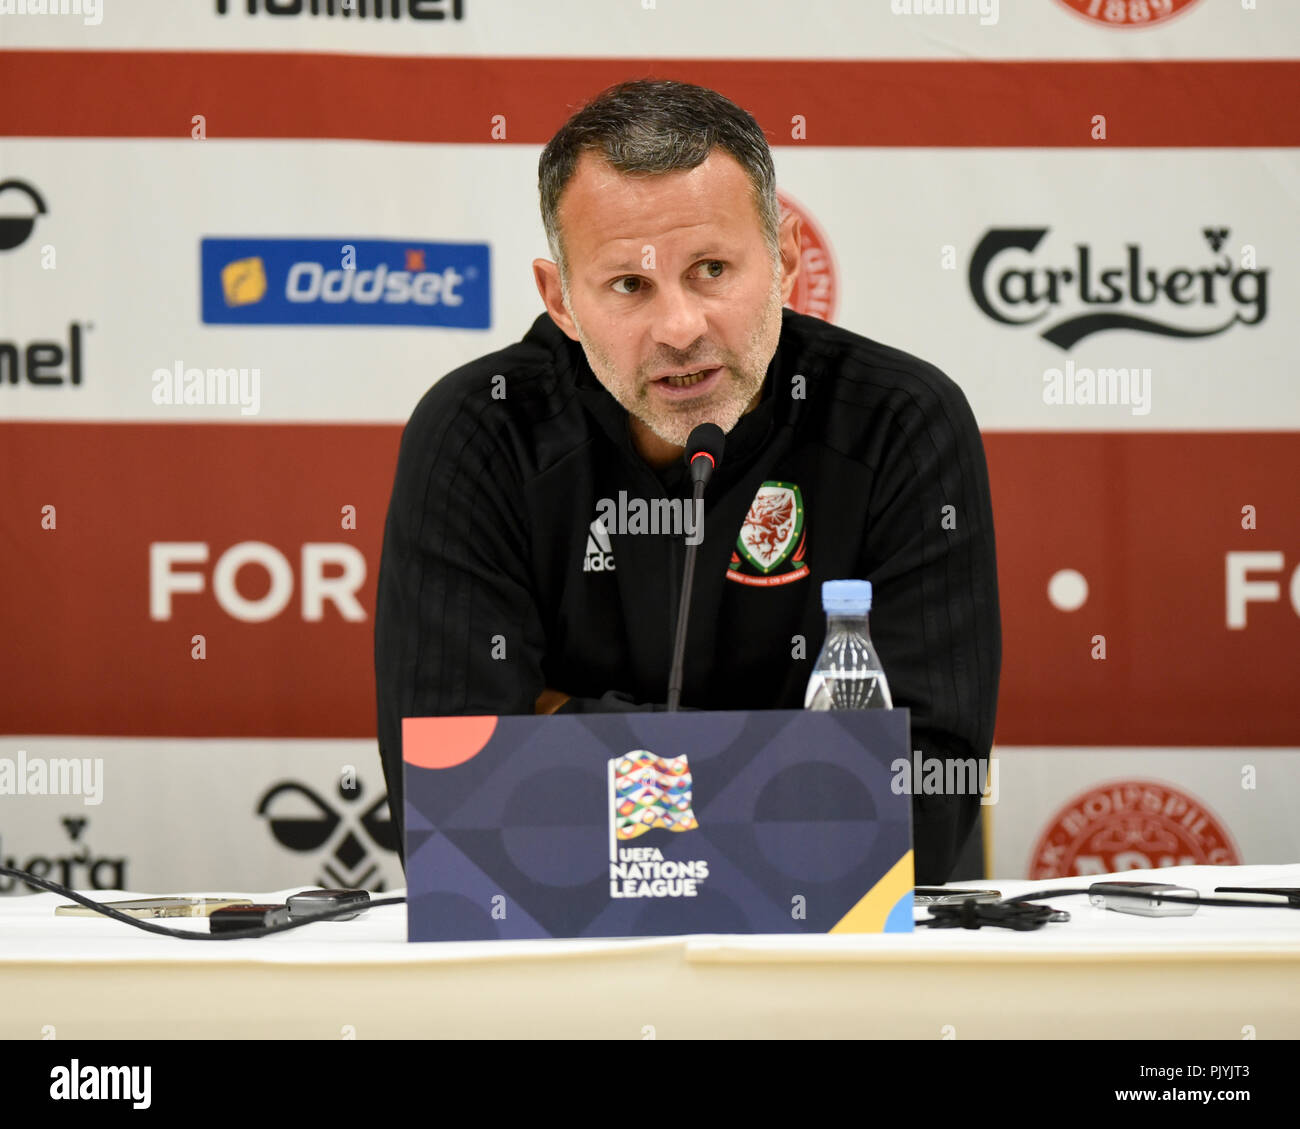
column 684, row 607
column 703, row 452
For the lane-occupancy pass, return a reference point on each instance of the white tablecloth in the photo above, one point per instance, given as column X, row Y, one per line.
column 1219, row 973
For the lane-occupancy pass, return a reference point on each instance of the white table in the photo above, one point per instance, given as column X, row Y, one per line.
column 1218, row 974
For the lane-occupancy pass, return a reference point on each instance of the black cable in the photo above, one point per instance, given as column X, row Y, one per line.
column 1008, row 913
column 1035, row 897
column 1159, row 894
column 972, row 914
column 1013, row 913
column 185, row 934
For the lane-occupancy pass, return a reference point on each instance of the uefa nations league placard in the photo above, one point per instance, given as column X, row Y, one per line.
column 648, row 824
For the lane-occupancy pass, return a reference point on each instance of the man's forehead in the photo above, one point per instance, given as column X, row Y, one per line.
column 592, row 166
column 602, row 208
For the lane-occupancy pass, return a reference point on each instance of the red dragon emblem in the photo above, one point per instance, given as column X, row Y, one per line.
column 771, row 534
column 768, row 524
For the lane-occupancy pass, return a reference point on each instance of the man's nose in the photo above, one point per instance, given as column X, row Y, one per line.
column 679, row 318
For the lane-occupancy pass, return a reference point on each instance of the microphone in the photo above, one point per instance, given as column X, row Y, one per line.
column 703, row 454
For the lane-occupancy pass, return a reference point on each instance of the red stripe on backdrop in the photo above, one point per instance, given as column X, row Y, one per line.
column 1157, row 526
column 1148, row 520
column 75, row 617
column 453, row 100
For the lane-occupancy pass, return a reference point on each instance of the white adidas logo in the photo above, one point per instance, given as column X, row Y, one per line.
column 600, row 556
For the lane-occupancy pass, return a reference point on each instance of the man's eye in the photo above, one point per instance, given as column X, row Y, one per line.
column 618, row 284
column 714, row 268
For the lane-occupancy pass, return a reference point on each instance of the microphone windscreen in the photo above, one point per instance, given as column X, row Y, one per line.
column 708, row 439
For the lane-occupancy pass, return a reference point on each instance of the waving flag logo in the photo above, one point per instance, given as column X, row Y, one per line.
column 651, row 792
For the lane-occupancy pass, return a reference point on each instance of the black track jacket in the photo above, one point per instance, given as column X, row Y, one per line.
column 493, row 584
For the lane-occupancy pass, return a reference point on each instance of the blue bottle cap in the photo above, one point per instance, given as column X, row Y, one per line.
column 846, row 597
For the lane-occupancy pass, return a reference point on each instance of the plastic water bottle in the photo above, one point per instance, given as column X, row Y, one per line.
column 847, row 674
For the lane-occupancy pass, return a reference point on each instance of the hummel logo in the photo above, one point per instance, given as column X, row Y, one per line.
column 600, row 556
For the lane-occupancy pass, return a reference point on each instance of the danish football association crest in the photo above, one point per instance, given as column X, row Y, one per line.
column 1135, row 13
column 770, row 548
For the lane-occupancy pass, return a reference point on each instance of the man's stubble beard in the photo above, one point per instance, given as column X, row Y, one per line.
column 745, row 379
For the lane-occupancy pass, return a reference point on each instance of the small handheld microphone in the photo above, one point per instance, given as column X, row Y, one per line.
column 703, row 454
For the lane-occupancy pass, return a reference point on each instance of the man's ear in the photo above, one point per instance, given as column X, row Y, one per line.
column 547, row 276
column 789, row 243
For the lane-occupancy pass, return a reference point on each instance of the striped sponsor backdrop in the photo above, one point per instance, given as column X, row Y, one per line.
column 992, row 196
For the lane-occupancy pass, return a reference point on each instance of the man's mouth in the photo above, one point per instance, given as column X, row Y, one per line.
column 682, row 383
column 688, row 379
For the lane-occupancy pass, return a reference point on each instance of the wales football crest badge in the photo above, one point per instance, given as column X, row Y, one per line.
column 770, row 548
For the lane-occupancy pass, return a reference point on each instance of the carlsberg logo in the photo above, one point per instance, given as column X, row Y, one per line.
column 1086, row 290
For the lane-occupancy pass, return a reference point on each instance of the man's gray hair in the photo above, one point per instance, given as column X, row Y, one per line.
column 656, row 126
